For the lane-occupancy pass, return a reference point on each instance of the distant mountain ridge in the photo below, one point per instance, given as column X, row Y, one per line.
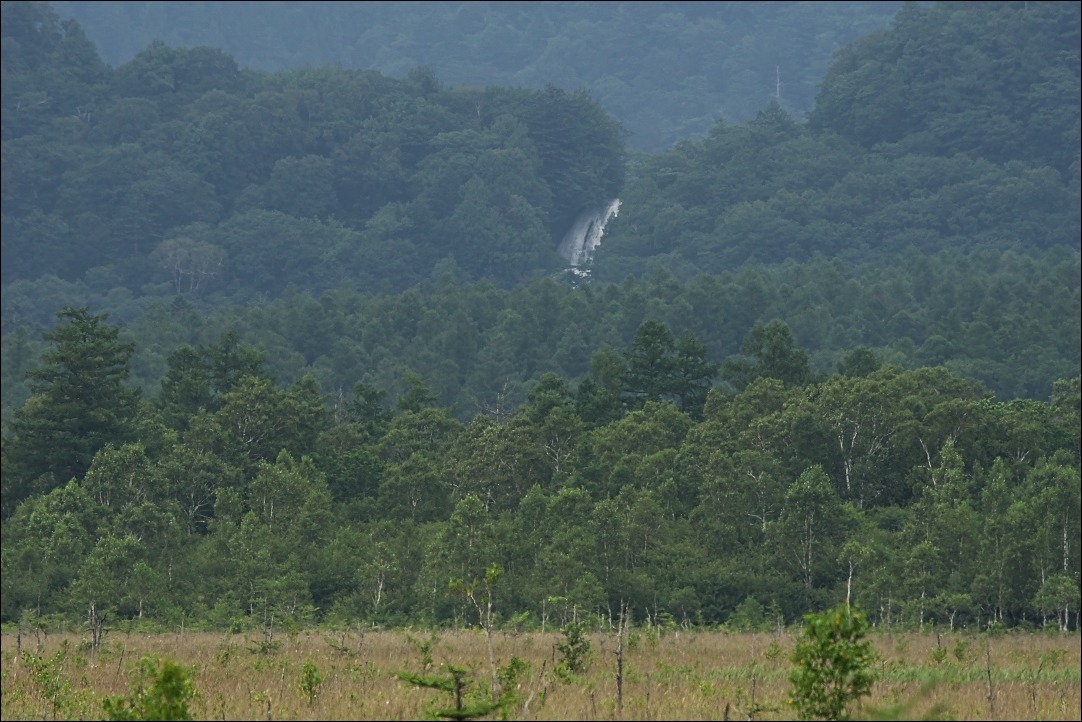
column 666, row 70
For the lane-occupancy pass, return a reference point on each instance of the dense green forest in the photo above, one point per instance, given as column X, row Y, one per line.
column 666, row 70
column 298, row 343
column 178, row 181
column 230, row 501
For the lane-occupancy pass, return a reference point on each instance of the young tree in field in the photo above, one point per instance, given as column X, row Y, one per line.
column 833, row 665
column 80, row 402
column 162, row 692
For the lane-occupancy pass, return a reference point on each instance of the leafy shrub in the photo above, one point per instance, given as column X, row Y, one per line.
column 575, row 648
column 833, row 665
column 165, row 698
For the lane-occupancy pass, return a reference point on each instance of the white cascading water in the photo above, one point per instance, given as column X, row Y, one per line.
column 585, row 235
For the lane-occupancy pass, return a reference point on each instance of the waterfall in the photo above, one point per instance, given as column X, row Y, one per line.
column 585, row 234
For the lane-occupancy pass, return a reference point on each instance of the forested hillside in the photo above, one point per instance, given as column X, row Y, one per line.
column 178, row 178
column 666, row 70
column 180, row 173
column 956, row 128
column 299, row 344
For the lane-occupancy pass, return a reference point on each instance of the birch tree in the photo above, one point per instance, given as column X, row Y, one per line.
column 811, row 521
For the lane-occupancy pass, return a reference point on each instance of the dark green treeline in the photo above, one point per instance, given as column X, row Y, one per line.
column 226, row 500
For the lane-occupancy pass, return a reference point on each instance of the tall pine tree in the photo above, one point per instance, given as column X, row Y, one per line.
column 79, row 402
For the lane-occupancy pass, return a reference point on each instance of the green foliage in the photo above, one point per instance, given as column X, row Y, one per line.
column 769, row 351
column 51, row 681
column 377, row 184
column 834, row 665
column 311, row 680
column 511, row 674
column 658, row 368
column 425, row 648
column 502, row 47
column 749, row 616
column 348, row 186
column 938, row 655
column 455, row 682
column 197, row 378
column 575, row 649
column 861, row 361
column 812, row 519
column 80, row 402
column 967, row 55
column 264, row 647
column 162, row 691
column 627, row 494
column 412, row 381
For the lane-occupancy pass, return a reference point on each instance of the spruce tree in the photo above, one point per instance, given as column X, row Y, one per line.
column 79, row 402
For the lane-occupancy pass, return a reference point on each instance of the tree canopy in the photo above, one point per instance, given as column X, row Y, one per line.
column 335, row 359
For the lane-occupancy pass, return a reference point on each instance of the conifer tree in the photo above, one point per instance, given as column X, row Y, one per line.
column 80, row 401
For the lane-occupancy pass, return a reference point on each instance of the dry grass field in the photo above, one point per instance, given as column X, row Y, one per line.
column 669, row 676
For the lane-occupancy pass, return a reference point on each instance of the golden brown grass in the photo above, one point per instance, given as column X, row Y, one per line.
column 671, row 676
